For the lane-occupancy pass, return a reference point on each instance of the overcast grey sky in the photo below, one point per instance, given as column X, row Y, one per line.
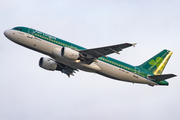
column 28, row 92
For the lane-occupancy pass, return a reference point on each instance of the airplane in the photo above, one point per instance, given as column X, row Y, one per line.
column 69, row 58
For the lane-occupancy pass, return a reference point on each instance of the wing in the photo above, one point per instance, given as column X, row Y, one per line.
column 91, row 54
column 66, row 69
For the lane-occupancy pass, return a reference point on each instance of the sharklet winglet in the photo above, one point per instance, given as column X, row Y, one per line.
column 134, row 44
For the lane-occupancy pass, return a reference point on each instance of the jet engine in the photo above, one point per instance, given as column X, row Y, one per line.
column 47, row 63
column 69, row 53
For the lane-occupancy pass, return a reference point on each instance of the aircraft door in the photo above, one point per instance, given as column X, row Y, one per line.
column 136, row 72
column 30, row 33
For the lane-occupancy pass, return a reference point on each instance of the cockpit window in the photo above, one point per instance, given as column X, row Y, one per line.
column 16, row 28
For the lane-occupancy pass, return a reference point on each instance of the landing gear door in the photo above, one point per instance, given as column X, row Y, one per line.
column 136, row 72
column 30, row 33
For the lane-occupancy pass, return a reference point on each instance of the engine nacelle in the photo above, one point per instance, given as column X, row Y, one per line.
column 69, row 53
column 47, row 63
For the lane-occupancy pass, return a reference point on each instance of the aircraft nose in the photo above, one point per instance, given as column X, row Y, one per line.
column 6, row 33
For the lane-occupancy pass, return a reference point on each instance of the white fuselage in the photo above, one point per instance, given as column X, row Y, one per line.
column 97, row 66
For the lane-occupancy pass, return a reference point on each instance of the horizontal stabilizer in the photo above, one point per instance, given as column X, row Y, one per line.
column 161, row 77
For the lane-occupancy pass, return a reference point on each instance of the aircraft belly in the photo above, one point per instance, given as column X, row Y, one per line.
column 119, row 74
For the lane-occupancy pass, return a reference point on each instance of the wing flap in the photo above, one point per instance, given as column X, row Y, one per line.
column 66, row 69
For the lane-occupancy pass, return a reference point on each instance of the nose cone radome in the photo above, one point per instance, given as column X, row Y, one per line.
column 6, row 33
column 9, row 34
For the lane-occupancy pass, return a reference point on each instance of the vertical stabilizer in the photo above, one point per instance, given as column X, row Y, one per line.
column 157, row 63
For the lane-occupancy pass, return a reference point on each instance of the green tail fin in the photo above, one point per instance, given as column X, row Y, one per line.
column 157, row 63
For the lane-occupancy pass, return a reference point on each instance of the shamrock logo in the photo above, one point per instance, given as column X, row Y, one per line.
column 156, row 62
